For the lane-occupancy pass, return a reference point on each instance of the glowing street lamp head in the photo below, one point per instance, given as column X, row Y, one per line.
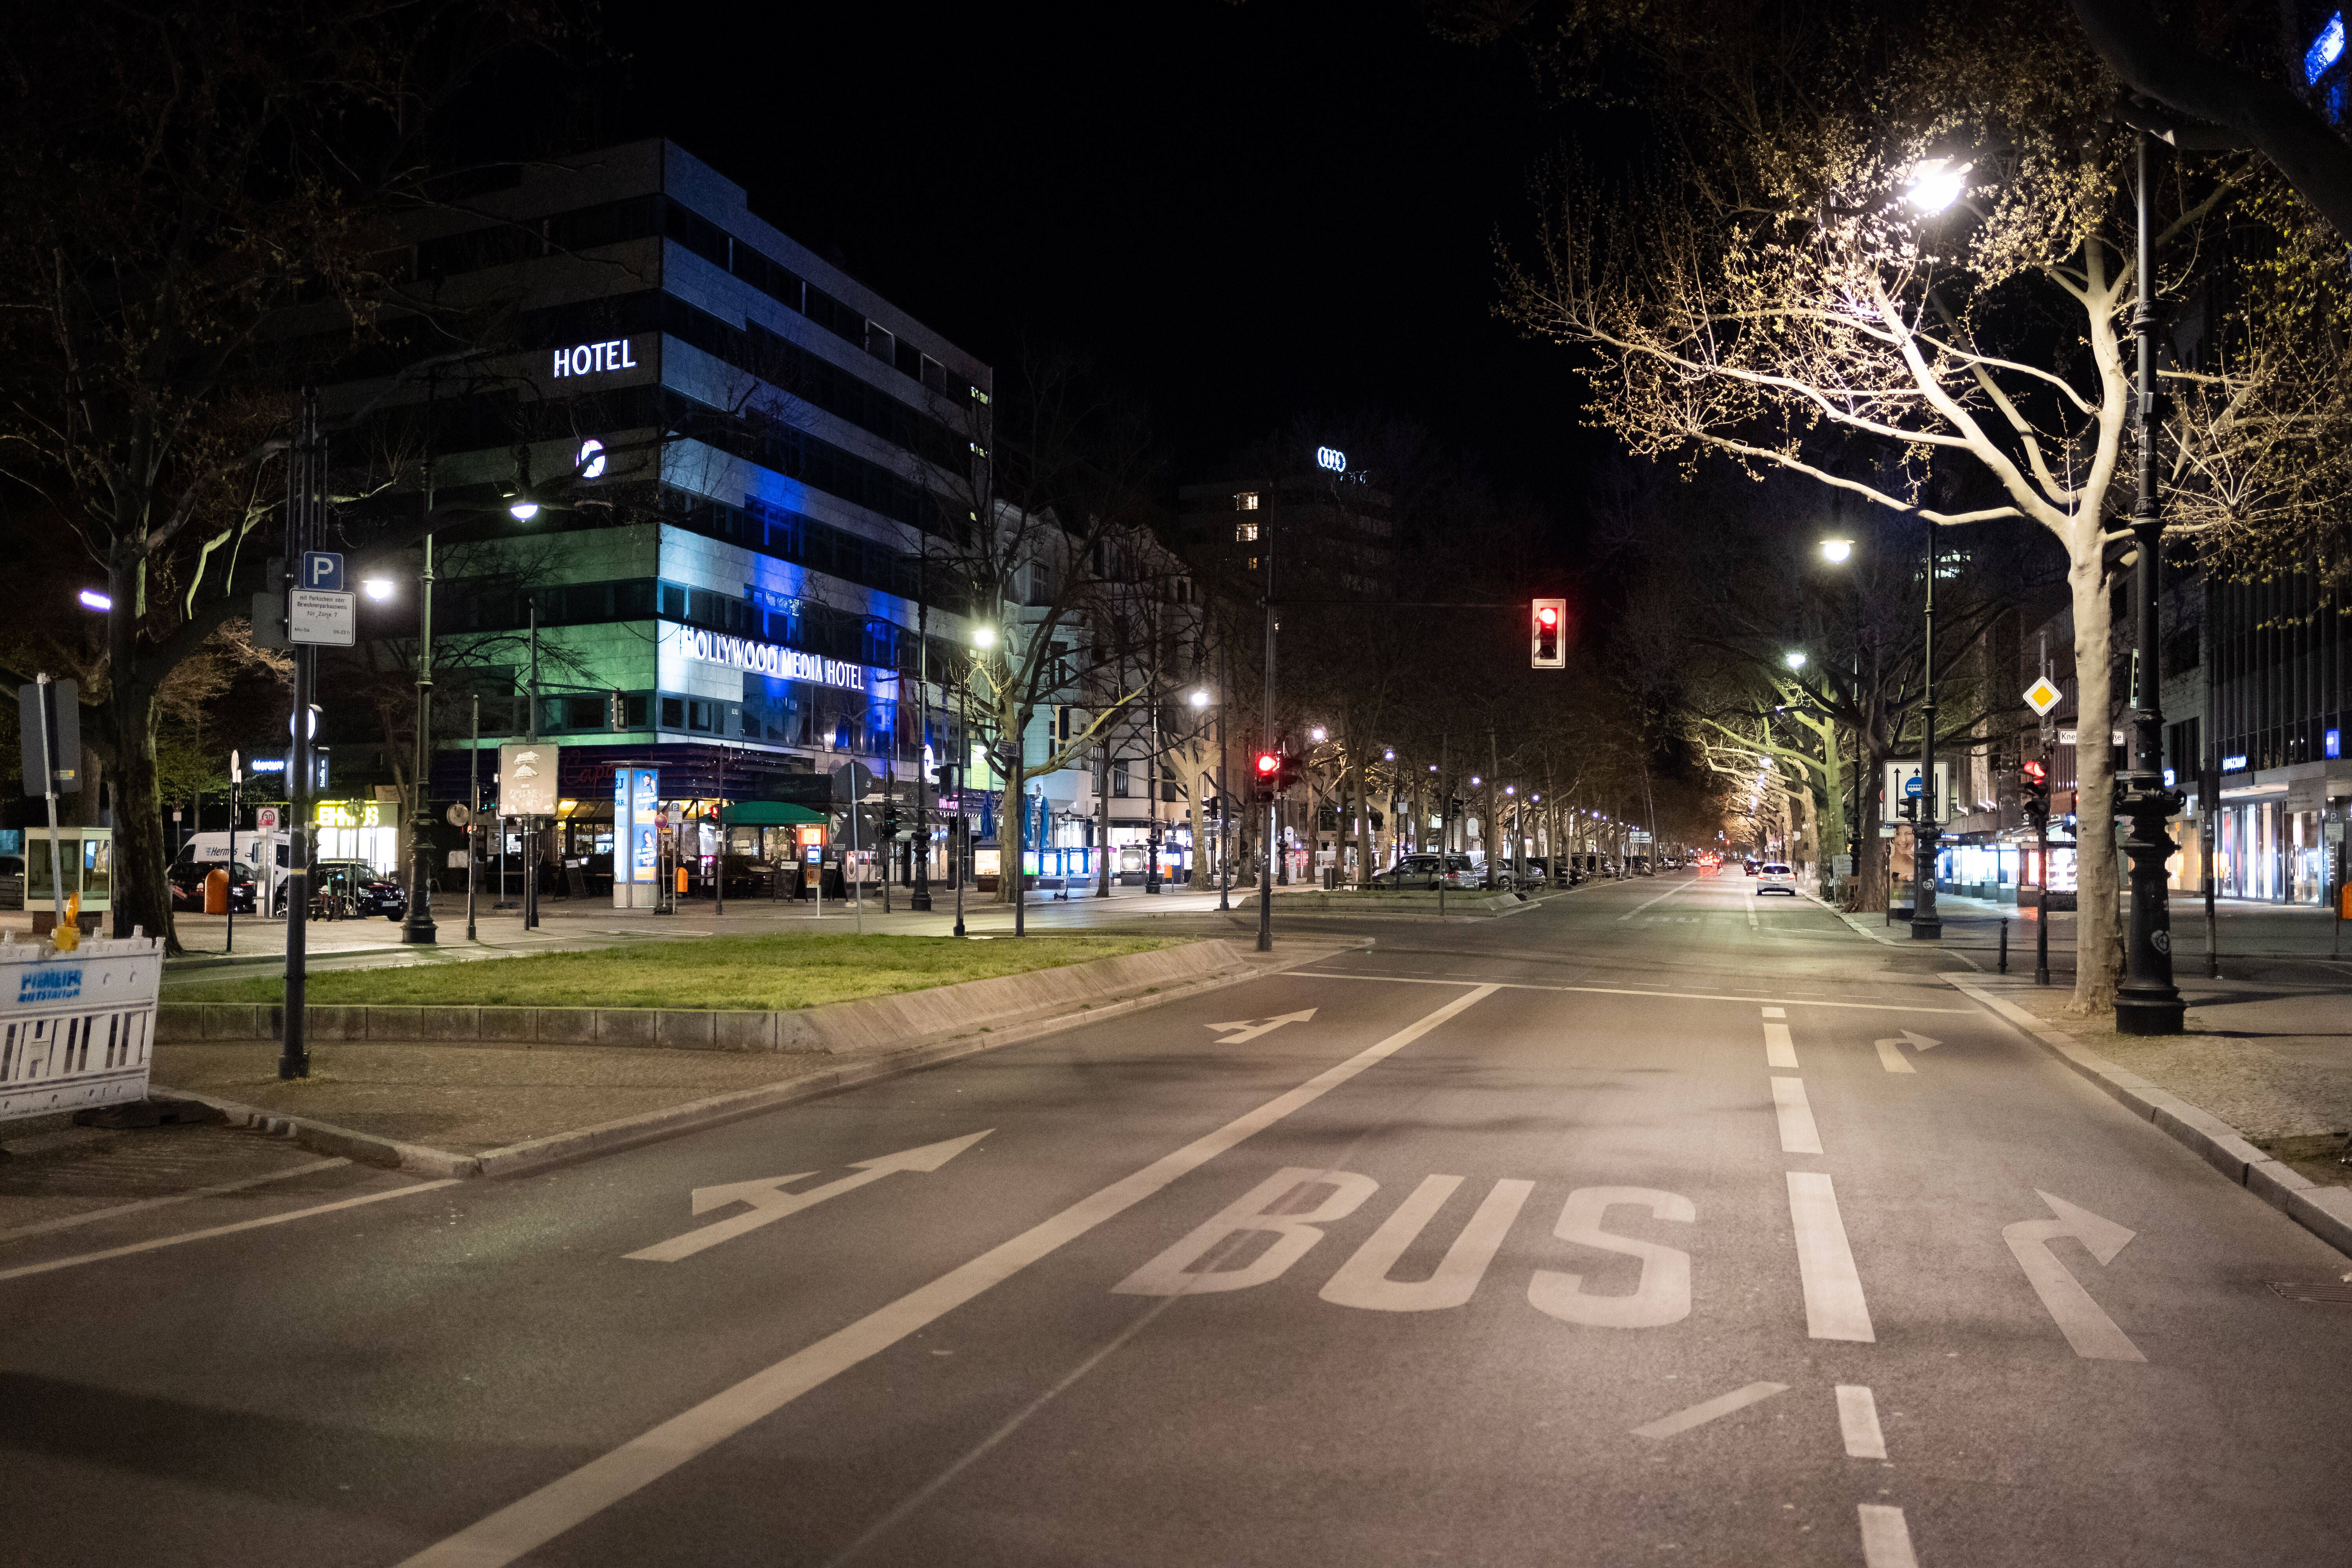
column 984, row 636
column 376, row 588
column 1794, row 658
column 1316, row 734
column 91, row 599
column 1936, row 183
column 1200, row 698
column 522, row 509
column 1837, row 552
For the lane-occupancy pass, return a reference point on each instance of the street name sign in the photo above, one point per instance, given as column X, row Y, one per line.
column 2043, row 695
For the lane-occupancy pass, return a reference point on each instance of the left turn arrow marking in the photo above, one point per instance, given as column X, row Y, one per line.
column 769, row 1203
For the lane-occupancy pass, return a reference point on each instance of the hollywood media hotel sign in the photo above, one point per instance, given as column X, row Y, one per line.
column 768, row 658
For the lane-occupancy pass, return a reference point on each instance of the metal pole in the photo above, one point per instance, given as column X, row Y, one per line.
column 2209, row 786
column 1926, row 924
column 2147, row 1003
column 308, row 475
column 418, row 927
column 236, row 777
column 531, row 737
column 1224, row 806
column 1265, row 869
column 473, row 813
column 47, row 717
column 921, row 897
column 2042, row 915
column 1444, row 816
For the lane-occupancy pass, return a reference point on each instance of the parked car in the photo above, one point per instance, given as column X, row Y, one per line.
column 355, row 888
column 187, row 880
column 1422, row 871
column 1775, row 878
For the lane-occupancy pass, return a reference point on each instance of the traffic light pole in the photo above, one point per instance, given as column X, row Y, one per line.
column 1265, row 868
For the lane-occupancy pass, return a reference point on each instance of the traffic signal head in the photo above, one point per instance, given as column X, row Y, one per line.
column 1544, row 634
column 1265, row 774
column 2034, row 789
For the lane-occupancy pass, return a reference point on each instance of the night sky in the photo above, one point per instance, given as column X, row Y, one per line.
column 1244, row 213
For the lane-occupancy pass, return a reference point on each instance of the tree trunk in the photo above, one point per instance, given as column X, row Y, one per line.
column 2097, row 956
column 142, row 891
column 1871, row 890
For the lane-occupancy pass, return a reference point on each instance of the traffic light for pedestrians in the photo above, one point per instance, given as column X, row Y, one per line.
column 1544, row 638
column 2033, row 790
column 1265, row 774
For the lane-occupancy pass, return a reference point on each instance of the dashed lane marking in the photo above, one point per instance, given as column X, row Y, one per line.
column 1798, row 1133
column 1885, row 1538
column 1858, row 1422
column 1699, row 1415
column 1834, row 1307
column 1779, row 1051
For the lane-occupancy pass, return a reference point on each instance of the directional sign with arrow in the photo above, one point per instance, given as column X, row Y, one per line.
column 2089, row 1330
column 1890, row 1052
column 769, row 1203
column 1251, row 1028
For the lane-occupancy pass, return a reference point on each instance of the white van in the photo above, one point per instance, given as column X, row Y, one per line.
column 254, row 851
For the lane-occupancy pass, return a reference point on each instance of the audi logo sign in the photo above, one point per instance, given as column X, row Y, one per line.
column 1331, row 458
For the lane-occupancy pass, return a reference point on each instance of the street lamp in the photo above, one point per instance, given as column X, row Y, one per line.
column 1794, row 658
column 1200, row 698
column 1837, row 552
column 376, row 588
column 91, row 599
column 2147, row 1003
column 1936, row 183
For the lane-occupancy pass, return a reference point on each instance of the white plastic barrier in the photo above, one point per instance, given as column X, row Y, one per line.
column 77, row 1029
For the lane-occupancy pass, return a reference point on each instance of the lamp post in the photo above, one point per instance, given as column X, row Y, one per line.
column 2147, row 1002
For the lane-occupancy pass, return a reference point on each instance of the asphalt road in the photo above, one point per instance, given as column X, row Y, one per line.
column 1659, row 1223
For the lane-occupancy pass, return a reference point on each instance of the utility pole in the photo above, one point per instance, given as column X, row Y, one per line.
column 530, row 736
column 418, row 928
column 306, row 499
column 474, row 820
column 920, row 899
column 2208, row 786
column 1926, row 925
column 1265, row 869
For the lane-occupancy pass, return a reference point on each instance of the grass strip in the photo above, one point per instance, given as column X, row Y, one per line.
column 774, row 973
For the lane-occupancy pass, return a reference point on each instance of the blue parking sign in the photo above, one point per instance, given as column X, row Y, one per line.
column 322, row 570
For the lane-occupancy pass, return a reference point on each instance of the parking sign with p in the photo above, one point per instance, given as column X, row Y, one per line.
column 322, row 571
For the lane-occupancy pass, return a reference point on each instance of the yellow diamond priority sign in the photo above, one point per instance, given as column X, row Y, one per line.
column 2043, row 695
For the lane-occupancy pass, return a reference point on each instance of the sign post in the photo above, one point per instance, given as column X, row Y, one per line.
column 49, row 717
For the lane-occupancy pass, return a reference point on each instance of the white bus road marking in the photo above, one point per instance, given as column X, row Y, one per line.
column 1834, row 1309
column 1662, row 1294
column 1627, row 991
column 1701, row 1414
column 531, row 1522
column 1798, row 1133
column 1780, row 1050
column 205, row 1234
column 770, row 1204
column 1363, row 1280
column 74, row 1221
column 1858, row 1422
column 1261, row 1208
column 2088, row 1328
column 1885, row 1538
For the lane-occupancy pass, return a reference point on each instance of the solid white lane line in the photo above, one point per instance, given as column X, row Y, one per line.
column 1661, row 899
column 1701, row 1414
column 1858, row 1420
column 1778, row 1050
column 1834, row 1309
column 1891, row 1056
column 1798, row 1133
column 1885, row 1539
column 1628, row 991
column 530, row 1523
column 162, row 1241
column 74, row 1221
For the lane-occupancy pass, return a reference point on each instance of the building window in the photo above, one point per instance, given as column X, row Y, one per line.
column 1245, row 533
column 1118, row 783
column 1245, row 501
column 673, row 713
column 2179, row 653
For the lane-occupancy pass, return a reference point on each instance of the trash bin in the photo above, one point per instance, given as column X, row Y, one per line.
column 217, row 891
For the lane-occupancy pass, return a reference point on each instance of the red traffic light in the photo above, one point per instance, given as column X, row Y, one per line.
column 1548, row 617
column 1267, row 762
column 2033, row 771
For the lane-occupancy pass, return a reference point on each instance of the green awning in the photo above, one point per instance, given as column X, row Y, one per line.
column 767, row 814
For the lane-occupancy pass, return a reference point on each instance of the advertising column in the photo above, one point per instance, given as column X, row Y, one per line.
column 636, row 838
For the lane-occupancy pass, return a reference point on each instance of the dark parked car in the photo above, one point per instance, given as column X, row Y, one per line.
column 1422, row 871
column 355, row 888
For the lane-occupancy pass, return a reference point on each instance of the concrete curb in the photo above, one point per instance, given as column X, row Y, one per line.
column 515, row 1159
column 2326, row 1212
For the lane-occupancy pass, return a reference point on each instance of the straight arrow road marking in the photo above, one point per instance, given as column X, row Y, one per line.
column 1251, row 1028
column 1890, row 1051
column 530, row 1523
column 2088, row 1328
column 1699, row 1415
column 769, row 1203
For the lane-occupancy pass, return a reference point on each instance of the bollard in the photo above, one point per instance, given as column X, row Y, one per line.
column 2004, row 947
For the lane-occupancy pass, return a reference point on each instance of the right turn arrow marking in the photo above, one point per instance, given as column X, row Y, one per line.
column 1890, row 1052
column 2088, row 1328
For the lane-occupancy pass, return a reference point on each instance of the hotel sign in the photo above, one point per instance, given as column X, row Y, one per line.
column 768, row 658
column 587, row 359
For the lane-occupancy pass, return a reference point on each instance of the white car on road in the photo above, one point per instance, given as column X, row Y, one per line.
column 1775, row 878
